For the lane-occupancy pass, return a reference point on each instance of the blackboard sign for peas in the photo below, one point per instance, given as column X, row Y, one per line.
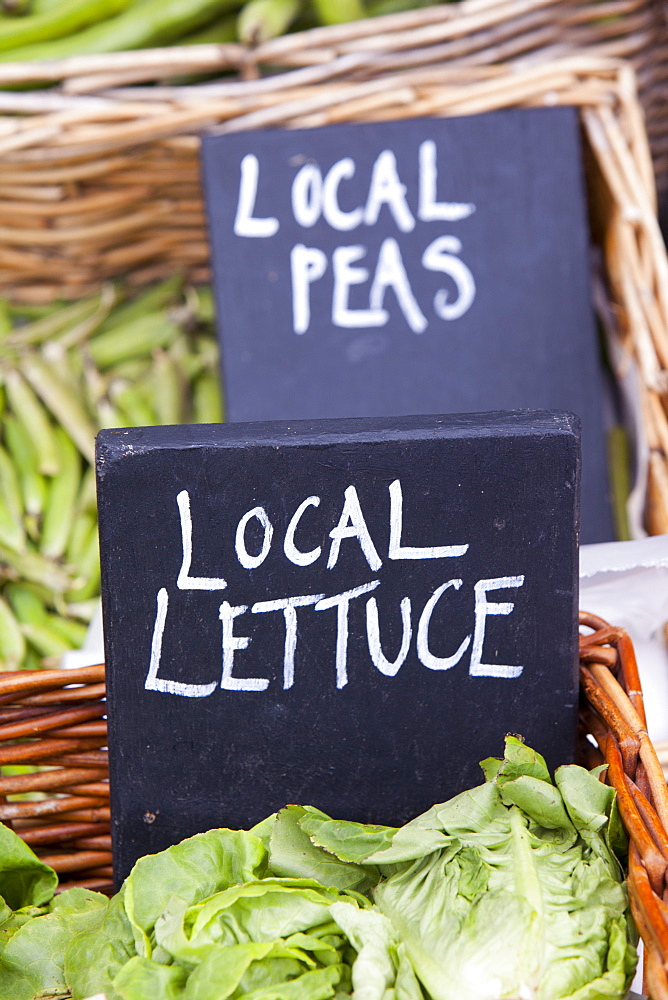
column 418, row 266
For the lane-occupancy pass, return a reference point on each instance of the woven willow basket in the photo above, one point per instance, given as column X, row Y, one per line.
column 55, row 719
column 99, row 173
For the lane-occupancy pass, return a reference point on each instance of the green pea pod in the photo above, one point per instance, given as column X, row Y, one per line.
column 12, row 641
column 24, row 456
column 131, row 340
column 26, row 601
column 151, row 300
column 12, row 531
column 339, row 11
column 61, row 500
column 260, row 20
column 207, row 399
column 78, row 332
column 70, row 631
column 6, row 322
column 168, row 389
column 69, row 17
column 88, row 582
column 34, row 567
column 55, row 322
column 78, row 538
column 66, row 407
column 87, row 499
column 151, row 23
column 132, row 405
column 220, row 31
column 32, row 415
column 44, row 639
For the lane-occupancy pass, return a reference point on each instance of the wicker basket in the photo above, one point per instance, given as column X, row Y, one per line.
column 55, row 719
column 100, row 178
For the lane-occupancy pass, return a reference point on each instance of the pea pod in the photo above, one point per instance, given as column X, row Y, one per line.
column 339, row 11
column 66, row 408
column 12, row 531
column 42, row 328
column 45, row 639
column 27, row 603
column 207, row 401
column 151, row 23
column 61, row 499
column 31, row 414
column 24, row 456
column 154, row 298
column 12, row 641
column 260, row 20
column 69, row 17
column 35, row 568
column 131, row 340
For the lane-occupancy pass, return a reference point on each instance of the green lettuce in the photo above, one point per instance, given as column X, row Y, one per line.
column 513, row 889
column 209, row 919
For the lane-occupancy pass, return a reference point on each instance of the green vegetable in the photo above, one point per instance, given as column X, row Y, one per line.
column 146, row 24
column 106, row 361
column 260, row 20
column 339, row 11
column 65, row 19
column 512, row 889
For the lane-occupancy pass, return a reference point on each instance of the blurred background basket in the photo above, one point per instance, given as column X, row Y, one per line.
column 53, row 735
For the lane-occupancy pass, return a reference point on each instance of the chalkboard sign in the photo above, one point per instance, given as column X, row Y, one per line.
column 349, row 614
column 412, row 267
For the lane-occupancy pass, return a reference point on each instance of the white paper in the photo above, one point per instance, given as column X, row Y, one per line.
column 626, row 583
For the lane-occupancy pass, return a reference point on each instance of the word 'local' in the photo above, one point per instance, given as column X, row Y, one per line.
column 351, row 525
column 314, row 196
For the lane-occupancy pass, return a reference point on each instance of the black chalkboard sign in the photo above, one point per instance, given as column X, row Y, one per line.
column 421, row 266
column 349, row 614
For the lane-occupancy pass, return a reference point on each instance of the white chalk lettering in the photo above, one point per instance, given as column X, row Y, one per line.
column 307, row 264
column 342, row 602
column 344, row 277
column 338, row 219
column 245, row 558
column 231, row 643
column 425, row 656
column 245, row 224
column 184, row 581
column 438, row 256
column 483, row 608
column 431, row 210
column 388, row 667
column 386, row 189
column 155, row 683
column 288, row 605
column 307, row 195
column 352, row 525
column 390, row 273
column 398, row 551
column 292, row 552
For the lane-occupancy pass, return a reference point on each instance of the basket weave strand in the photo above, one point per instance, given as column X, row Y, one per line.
column 53, row 722
column 612, row 713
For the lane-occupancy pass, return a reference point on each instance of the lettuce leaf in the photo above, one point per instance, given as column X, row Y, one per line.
column 511, row 889
column 32, row 960
column 525, row 897
column 24, row 879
